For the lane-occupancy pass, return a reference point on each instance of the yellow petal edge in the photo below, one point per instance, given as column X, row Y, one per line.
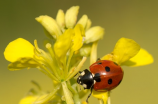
column 124, row 50
column 100, row 95
column 17, row 49
column 140, row 59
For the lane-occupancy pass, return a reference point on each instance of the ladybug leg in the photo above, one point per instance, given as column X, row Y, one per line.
column 89, row 94
column 98, row 59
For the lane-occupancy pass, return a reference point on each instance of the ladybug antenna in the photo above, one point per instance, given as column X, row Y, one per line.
column 89, row 94
column 77, row 73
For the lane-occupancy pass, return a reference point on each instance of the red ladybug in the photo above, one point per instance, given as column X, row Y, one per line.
column 104, row 75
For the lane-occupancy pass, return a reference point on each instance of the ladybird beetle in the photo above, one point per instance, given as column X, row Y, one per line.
column 104, row 75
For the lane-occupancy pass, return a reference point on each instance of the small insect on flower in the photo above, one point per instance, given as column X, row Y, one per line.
column 104, row 75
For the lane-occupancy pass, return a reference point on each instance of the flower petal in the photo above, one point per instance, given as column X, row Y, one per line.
column 31, row 99
column 93, row 34
column 50, row 25
column 88, row 25
column 84, row 102
column 25, row 62
column 17, row 49
column 60, row 18
column 100, row 95
column 71, row 16
column 140, row 59
column 124, row 50
column 28, row 100
column 108, row 57
column 63, row 43
column 78, row 37
column 83, row 21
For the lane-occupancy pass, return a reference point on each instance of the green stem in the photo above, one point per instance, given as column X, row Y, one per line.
column 70, row 75
column 75, row 94
column 109, row 100
column 47, row 72
column 53, row 65
column 68, row 63
column 49, row 96
column 67, row 93
column 93, row 55
column 100, row 101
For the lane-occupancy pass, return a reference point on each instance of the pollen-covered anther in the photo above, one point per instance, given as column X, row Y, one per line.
column 48, row 45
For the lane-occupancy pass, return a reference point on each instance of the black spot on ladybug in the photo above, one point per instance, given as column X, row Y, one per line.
column 115, row 63
column 107, row 69
column 119, row 82
column 110, row 81
column 99, row 63
column 97, row 77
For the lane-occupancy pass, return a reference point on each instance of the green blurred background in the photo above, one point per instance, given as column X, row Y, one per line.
column 134, row 19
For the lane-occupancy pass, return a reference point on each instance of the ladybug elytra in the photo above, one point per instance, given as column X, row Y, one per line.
column 104, row 75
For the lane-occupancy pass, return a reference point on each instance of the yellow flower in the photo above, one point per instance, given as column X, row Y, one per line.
column 54, row 63
column 126, row 52
column 20, row 53
column 64, row 57
column 55, row 27
column 63, row 21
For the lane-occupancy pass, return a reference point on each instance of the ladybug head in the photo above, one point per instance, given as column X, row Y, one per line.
column 85, row 79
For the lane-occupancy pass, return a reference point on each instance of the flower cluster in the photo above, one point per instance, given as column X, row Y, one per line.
column 71, row 43
column 66, row 52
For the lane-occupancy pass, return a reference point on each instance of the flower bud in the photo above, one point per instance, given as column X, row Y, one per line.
column 71, row 16
column 60, row 18
column 85, row 50
column 50, row 25
column 83, row 21
column 94, row 34
column 88, row 25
